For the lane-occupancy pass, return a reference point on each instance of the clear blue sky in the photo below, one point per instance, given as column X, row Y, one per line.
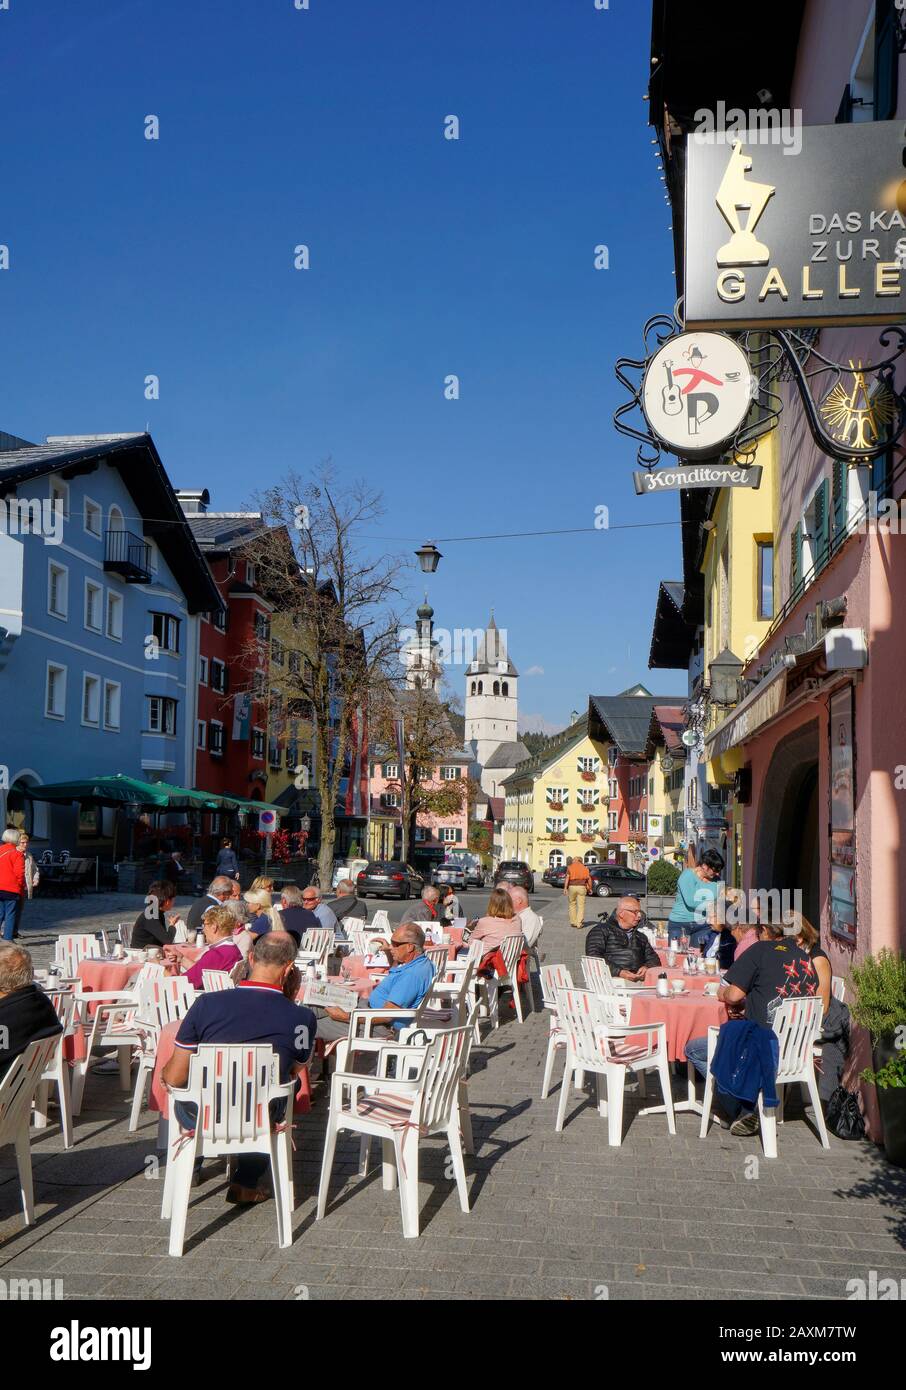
column 428, row 257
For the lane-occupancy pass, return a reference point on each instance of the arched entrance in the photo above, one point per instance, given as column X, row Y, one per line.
column 787, row 854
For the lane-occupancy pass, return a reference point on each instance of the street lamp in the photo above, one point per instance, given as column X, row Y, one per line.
column 428, row 557
column 724, row 673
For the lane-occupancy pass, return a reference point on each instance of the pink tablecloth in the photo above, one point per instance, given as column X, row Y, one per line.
column 160, row 1099
column 96, row 976
column 689, row 1016
column 455, row 934
column 675, row 972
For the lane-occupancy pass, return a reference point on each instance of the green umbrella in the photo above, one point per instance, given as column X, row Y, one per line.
column 115, row 790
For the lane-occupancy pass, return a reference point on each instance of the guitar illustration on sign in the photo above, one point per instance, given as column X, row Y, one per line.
column 671, row 401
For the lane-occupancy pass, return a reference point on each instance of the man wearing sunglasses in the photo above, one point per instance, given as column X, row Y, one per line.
column 404, row 986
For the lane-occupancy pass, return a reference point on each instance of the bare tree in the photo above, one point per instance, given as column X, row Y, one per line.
column 332, row 607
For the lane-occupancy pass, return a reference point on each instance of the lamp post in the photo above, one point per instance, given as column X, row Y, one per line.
column 428, row 557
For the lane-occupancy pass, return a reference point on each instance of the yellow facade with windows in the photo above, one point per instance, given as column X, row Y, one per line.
column 290, row 737
column 552, row 811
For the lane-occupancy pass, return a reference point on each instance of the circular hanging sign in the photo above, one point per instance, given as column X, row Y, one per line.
column 697, row 392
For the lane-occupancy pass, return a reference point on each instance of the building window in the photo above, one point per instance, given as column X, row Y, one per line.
column 115, row 519
column 587, row 825
column 390, row 799
column 505, row 689
column 166, row 630
column 557, row 825
column 765, row 579
column 161, row 715
column 295, row 663
column 612, row 788
column 450, row 774
column 560, row 794
column 249, row 572
column 259, row 683
column 55, row 692
column 391, row 770
column 112, row 698
column 262, row 627
column 91, row 700
column 277, row 652
column 202, row 670
column 219, row 619
column 611, row 820
column 217, row 740
column 114, row 616
column 258, row 738
column 481, row 687
column 586, row 763
column 94, row 600
column 57, row 590
column 201, row 735
column 59, row 497
column 273, row 753
column 450, row 835
column 218, row 676
column 93, row 518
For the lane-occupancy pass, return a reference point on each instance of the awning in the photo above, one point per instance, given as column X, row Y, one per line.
column 761, row 704
column 119, row 790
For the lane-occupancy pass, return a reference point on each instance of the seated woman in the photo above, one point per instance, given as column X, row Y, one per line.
column 834, row 1036
column 222, row 952
column 151, row 929
column 266, row 917
column 448, row 905
column 499, row 923
column 242, row 915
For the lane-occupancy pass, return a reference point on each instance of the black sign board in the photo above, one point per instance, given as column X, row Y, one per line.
column 777, row 235
column 697, row 475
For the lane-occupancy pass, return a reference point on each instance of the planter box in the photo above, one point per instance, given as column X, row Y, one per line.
column 892, row 1104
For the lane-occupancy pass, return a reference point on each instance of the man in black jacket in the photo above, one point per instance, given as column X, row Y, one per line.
column 619, row 942
column 26, row 1012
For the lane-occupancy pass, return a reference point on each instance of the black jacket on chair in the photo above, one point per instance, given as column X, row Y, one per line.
column 621, row 949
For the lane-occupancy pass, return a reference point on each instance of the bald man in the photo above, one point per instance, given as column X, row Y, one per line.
column 620, row 943
column 531, row 922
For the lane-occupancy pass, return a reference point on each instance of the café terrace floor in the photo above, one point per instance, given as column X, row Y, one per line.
column 553, row 1216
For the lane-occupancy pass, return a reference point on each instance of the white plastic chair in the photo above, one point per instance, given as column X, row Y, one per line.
column 838, row 987
column 439, row 957
column 17, row 1091
column 357, row 940
column 511, row 948
column 232, row 1086
column 483, row 991
column 164, row 1000
column 596, row 1042
column 380, row 922
column 112, row 1025
column 797, row 1023
column 597, row 976
column 124, row 933
column 72, row 948
column 214, row 980
column 553, row 977
column 400, row 1111
column 318, row 943
column 56, row 1073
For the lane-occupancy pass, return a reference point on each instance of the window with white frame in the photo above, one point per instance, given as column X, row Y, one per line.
column 91, row 700
column 555, row 859
column 450, row 774
column 218, row 676
column 560, row 794
column 613, row 788
column 258, row 744
column 94, row 605
column 59, row 497
column 556, row 825
column 259, row 684
column 391, row 770
column 55, row 691
column 611, row 820
column 93, row 518
column 589, row 798
column 57, row 589
column 202, row 670
column 165, row 629
column 588, row 763
column 114, row 616
column 161, row 715
column 277, row 652
column 587, row 825
column 390, row 798
column 115, row 519
column 113, row 694
column 450, row 835
column 250, row 575
column 217, row 739
column 152, row 554
column 201, row 735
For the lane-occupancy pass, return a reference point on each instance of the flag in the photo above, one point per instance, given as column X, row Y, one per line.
column 242, row 713
column 358, row 764
column 400, row 747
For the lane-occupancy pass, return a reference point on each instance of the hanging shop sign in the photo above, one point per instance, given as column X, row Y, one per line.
column 697, row 475
column 818, row 238
column 696, row 393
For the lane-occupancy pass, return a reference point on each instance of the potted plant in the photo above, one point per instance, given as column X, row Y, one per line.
column 880, row 1006
column 588, row 776
column 558, row 835
column 555, row 805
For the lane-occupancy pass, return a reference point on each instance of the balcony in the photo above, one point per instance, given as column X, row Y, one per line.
column 127, row 555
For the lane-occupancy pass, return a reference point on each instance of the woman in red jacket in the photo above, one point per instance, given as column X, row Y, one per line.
column 12, row 882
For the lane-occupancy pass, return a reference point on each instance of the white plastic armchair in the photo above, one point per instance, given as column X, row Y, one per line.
column 71, row 948
column 553, row 977
column 113, row 1024
column 17, row 1091
column 214, row 980
column 597, row 976
column 165, row 999
column 318, row 942
column 56, row 1073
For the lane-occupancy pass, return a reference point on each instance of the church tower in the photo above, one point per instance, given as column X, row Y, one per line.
column 420, row 654
column 491, row 703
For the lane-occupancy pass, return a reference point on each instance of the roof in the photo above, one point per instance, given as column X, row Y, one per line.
column 507, row 755
column 672, row 636
column 497, row 808
column 552, row 750
column 225, row 530
column 160, row 517
column 492, row 657
column 667, row 724
column 624, row 720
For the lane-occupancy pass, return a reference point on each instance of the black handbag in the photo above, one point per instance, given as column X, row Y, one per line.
column 843, row 1116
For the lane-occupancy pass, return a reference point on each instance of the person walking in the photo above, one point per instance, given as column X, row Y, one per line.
column 576, row 886
column 12, row 882
column 32, row 879
column 227, row 863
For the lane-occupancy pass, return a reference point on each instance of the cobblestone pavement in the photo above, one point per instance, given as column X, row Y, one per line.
column 553, row 1216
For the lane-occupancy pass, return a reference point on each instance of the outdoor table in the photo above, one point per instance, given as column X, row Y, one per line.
column 166, row 1046
column 686, row 1016
column 455, row 934
column 354, row 968
column 97, row 976
column 676, row 972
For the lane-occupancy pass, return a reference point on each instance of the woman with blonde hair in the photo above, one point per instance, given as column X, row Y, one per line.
column 263, row 883
column 267, row 916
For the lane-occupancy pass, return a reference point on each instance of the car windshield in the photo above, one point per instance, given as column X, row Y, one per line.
column 513, row 864
column 382, row 867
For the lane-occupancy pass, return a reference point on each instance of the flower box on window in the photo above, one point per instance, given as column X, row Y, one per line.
column 586, row 839
column 555, row 805
column 588, row 776
column 558, row 835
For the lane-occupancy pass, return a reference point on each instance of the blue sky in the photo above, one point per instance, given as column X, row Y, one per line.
column 428, row 257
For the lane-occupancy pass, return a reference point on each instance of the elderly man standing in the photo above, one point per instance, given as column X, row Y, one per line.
column 12, row 882
column 26, row 1013
column 404, row 986
column 313, row 902
column 531, row 922
column 219, row 890
column 620, row 943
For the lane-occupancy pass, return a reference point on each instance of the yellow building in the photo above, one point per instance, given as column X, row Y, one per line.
column 666, row 780
column 290, row 736
column 556, row 802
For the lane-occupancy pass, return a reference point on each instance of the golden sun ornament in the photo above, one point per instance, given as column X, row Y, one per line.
column 856, row 417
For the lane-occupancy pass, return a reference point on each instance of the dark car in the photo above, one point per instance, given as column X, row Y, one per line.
column 448, row 873
column 616, row 879
column 515, row 871
column 556, row 877
column 388, row 878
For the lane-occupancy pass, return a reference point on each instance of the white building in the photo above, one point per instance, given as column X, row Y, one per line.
column 491, row 716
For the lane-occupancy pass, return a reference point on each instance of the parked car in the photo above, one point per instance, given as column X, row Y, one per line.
column 617, row 879
column 449, row 872
column 388, row 878
column 556, row 876
column 515, row 871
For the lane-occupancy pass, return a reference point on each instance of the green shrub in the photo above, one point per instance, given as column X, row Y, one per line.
column 880, row 988
column 663, row 878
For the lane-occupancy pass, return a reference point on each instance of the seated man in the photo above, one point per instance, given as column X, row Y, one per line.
column 346, row 902
column 261, row 1009
column 404, row 986
column 620, row 943
column 296, row 918
column 219, row 890
column 429, row 907
column 222, row 952
column 774, row 969
column 313, row 902
column 26, row 1013
column 151, row 929
column 531, row 922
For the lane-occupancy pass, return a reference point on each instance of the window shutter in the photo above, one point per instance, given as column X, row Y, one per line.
column 822, row 520
column 886, row 61
column 839, row 499
column 795, row 559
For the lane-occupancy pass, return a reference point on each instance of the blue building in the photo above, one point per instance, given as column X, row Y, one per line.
column 101, row 582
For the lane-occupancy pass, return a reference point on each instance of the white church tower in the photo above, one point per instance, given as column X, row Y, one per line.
column 420, row 654
column 491, row 704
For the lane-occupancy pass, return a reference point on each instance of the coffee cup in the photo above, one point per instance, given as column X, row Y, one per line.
column 711, row 989
column 677, row 986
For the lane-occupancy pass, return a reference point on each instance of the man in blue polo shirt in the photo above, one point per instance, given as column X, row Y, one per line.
column 260, row 1009
column 404, row 986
